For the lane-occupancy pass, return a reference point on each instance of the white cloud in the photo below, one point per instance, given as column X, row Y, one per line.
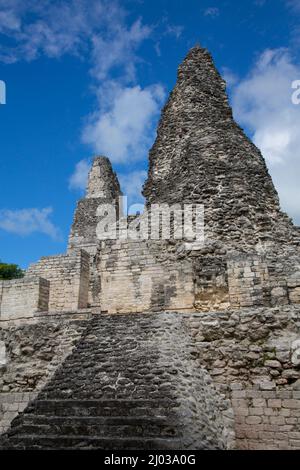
column 27, row 221
column 9, row 21
column 131, row 185
column 213, row 12
column 173, row 30
column 294, row 9
column 293, row 4
column 37, row 27
column 118, row 50
column 168, row 29
column 93, row 29
column 78, row 179
column 123, row 129
column 229, row 76
column 260, row 3
column 263, row 103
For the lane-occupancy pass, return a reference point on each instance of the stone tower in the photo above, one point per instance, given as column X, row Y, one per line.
column 102, row 180
column 103, row 187
column 202, row 156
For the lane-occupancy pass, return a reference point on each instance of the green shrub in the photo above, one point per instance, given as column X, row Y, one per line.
column 10, row 271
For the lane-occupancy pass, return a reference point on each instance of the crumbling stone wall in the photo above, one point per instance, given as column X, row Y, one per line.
column 251, row 253
column 30, row 355
column 69, row 279
column 253, row 357
column 143, row 365
column 211, row 283
column 247, row 279
column 264, row 280
column 21, row 298
column 133, row 279
column 148, row 275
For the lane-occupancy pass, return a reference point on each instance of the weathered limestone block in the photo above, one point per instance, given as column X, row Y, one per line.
column 211, row 283
column 293, row 280
column 3, row 359
column 69, row 279
column 294, row 295
column 295, row 350
column 247, row 278
column 21, row 298
column 252, row 356
column 102, row 181
column 134, row 280
column 279, row 295
column 293, row 284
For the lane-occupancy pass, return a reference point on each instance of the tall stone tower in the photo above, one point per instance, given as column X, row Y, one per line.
column 202, row 156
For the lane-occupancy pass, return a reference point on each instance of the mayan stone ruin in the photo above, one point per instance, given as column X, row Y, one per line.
column 143, row 343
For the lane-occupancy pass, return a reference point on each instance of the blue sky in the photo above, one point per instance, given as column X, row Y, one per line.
column 88, row 77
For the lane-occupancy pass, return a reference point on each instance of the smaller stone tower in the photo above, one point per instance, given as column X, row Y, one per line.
column 103, row 187
column 102, row 181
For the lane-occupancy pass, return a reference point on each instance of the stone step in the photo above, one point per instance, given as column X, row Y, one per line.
column 33, row 442
column 98, row 420
column 90, row 427
column 101, row 407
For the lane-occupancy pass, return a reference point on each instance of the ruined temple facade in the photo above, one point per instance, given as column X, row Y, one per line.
column 201, row 156
column 217, row 339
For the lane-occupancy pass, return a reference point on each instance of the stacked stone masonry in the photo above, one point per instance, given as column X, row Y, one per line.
column 68, row 276
column 30, row 354
column 127, row 384
column 23, row 297
column 133, row 279
column 253, row 357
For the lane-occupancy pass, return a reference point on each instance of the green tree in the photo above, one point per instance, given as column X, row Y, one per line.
column 10, row 271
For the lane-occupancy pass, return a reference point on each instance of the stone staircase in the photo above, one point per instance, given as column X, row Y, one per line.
column 119, row 389
column 100, row 424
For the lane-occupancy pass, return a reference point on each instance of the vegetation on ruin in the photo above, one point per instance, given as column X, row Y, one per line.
column 10, row 271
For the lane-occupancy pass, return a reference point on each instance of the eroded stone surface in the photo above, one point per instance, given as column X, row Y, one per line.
column 131, row 382
column 202, row 156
